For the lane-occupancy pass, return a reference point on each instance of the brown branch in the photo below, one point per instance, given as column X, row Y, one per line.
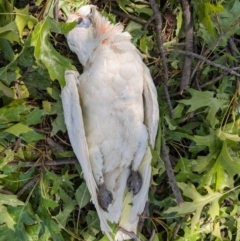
column 17, row 144
column 213, row 81
column 186, row 72
column 170, row 174
column 46, row 163
column 232, row 49
column 54, row 144
column 132, row 17
column 215, row 44
column 143, row 216
column 178, row 226
column 219, row 66
column 149, row 22
column 56, row 10
column 132, row 235
column 5, row 191
column 158, row 20
column 152, row 235
column 27, row 186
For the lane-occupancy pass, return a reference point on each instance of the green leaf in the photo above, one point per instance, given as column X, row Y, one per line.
column 47, row 203
column 48, row 224
column 228, row 136
column 140, row 8
column 10, row 200
column 179, row 21
column 145, row 44
column 185, row 173
column 178, row 111
column 58, row 124
column 6, row 49
column 133, row 26
column 63, row 215
column 6, row 91
column 92, row 219
column 9, row 156
column 10, row 32
column 123, row 4
column 6, row 218
column 64, row 28
column 32, row 136
column 44, row 51
column 5, row 7
column 12, row 112
column 23, row 19
column 34, row 117
column 202, row 99
column 82, row 195
column 198, row 203
column 47, row 106
column 211, row 141
column 69, row 205
column 223, row 170
column 18, row 129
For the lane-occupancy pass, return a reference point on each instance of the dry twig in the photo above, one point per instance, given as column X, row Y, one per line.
column 132, row 17
column 152, row 235
column 224, row 68
column 132, row 235
column 213, row 81
column 5, row 191
column 178, row 226
column 170, row 174
column 186, row 72
column 46, row 163
column 148, row 22
column 28, row 185
column 158, row 20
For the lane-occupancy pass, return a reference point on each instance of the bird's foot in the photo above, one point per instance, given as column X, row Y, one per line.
column 104, row 197
column 134, row 182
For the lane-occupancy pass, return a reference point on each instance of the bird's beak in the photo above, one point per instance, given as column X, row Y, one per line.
column 74, row 17
column 78, row 17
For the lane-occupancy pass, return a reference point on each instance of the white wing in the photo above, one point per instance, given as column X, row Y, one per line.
column 130, row 215
column 151, row 110
column 74, row 122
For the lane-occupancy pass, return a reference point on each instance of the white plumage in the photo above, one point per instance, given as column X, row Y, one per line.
column 111, row 113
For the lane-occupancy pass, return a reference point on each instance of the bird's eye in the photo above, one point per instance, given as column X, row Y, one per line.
column 79, row 20
column 91, row 10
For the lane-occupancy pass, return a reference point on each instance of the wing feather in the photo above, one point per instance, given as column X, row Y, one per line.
column 151, row 110
column 75, row 126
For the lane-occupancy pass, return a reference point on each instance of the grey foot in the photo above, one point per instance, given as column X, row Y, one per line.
column 134, row 182
column 104, row 197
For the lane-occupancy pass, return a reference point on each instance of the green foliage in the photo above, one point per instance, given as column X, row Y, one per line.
column 202, row 138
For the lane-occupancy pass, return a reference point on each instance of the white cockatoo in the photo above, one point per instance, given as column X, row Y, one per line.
column 111, row 113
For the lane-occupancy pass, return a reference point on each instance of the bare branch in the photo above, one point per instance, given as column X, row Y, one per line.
column 149, row 22
column 158, row 20
column 132, row 235
column 224, row 68
column 27, row 186
column 170, row 174
column 46, row 163
column 186, row 72
column 56, row 10
column 213, row 81
column 132, row 17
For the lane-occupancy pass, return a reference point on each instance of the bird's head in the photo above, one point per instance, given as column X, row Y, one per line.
column 84, row 16
column 92, row 30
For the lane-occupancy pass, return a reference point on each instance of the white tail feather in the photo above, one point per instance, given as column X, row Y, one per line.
column 130, row 214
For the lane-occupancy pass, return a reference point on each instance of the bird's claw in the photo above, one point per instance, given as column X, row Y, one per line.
column 134, row 182
column 104, row 197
